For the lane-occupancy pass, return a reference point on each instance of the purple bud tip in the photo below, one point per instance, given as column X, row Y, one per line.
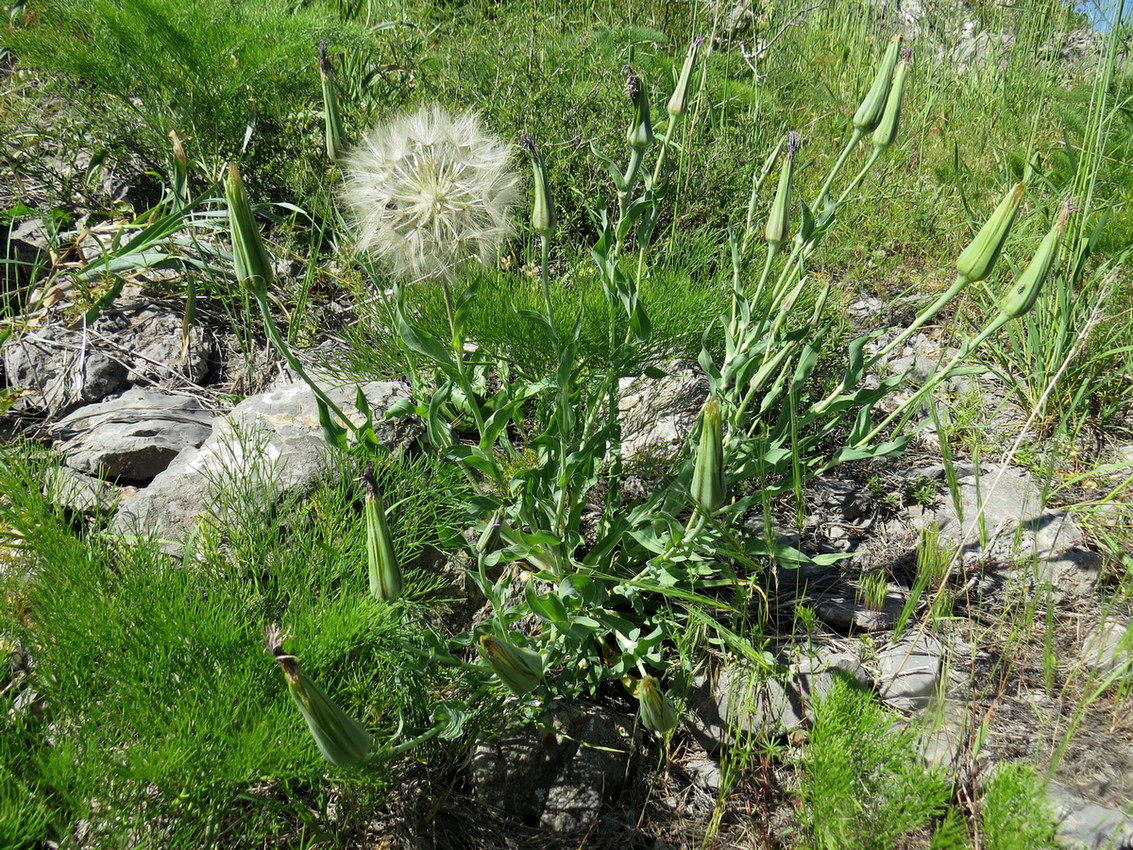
column 527, row 141
column 368, row 481
column 792, row 144
column 699, row 40
column 907, row 54
column 324, row 65
column 633, row 83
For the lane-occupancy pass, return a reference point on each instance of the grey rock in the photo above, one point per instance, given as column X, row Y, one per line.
column 945, row 739
column 1002, row 519
column 658, row 413
column 705, row 772
column 741, row 699
column 71, row 489
column 1084, row 825
column 154, row 346
column 909, row 671
column 844, row 495
column 842, row 610
column 556, row 775
column 269, row 447
column 1108, row 648
column 134, row 436
column 865, row 309
column 917, row 369
column 61, row 368
column 1123, row 455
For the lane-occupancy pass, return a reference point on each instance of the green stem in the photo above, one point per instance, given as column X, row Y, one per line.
column 280, row 344
column 857, row 181
column 544, row 258
column 846, row 151
column 935, row 381
column 629, row 180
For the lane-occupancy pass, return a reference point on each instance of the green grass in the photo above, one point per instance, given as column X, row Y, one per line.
column 1014, row 813
column 862, row 783
column 158, row 711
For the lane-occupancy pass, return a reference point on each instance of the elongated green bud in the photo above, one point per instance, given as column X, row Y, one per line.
column 385, row 574
column 1025, row 290
column 873, row 105
column 640, row 133
column 335, row 135
column 977, row 260
column 678, row 101
column 342, row 740
column 778, row 222
column 708, row 486
column 543, row 219
column 518, row 668
column 658, row 714
column 886, row 130
column 253, row 265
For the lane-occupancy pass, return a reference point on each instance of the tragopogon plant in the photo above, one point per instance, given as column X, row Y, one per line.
column 614, row 583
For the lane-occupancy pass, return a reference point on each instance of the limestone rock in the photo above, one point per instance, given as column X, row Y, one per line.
column 1083, row 825
column 658, row 413
column 61, row 370
column 742, row 700
column 133, row 436
column 909, row 671
column 1108, row 648
column 269, row 447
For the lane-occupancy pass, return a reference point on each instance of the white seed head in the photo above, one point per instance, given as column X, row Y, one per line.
column 430, row 192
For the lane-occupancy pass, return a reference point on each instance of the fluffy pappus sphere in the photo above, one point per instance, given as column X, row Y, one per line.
column 429, row 192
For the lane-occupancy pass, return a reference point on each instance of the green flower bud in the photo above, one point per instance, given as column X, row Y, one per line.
column 640, row 133
column 342, row 740
column 543, row 210
column 977, row 260
column 709, row 489
column 385, row 574
column 778, row 222
column 1025, row 290
column 335, row 135
column 657, row 711
column 518, row 668
column 869, row 112
column 678, row 102
column 886, row 130
column 253, row 266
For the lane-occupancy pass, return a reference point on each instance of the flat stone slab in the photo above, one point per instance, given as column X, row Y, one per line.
column 134, row 436
column 1083, row 825
column 268, row 447
column 743, row 700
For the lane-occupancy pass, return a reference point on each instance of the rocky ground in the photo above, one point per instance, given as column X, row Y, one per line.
column 145, row 423
column 147, row 420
